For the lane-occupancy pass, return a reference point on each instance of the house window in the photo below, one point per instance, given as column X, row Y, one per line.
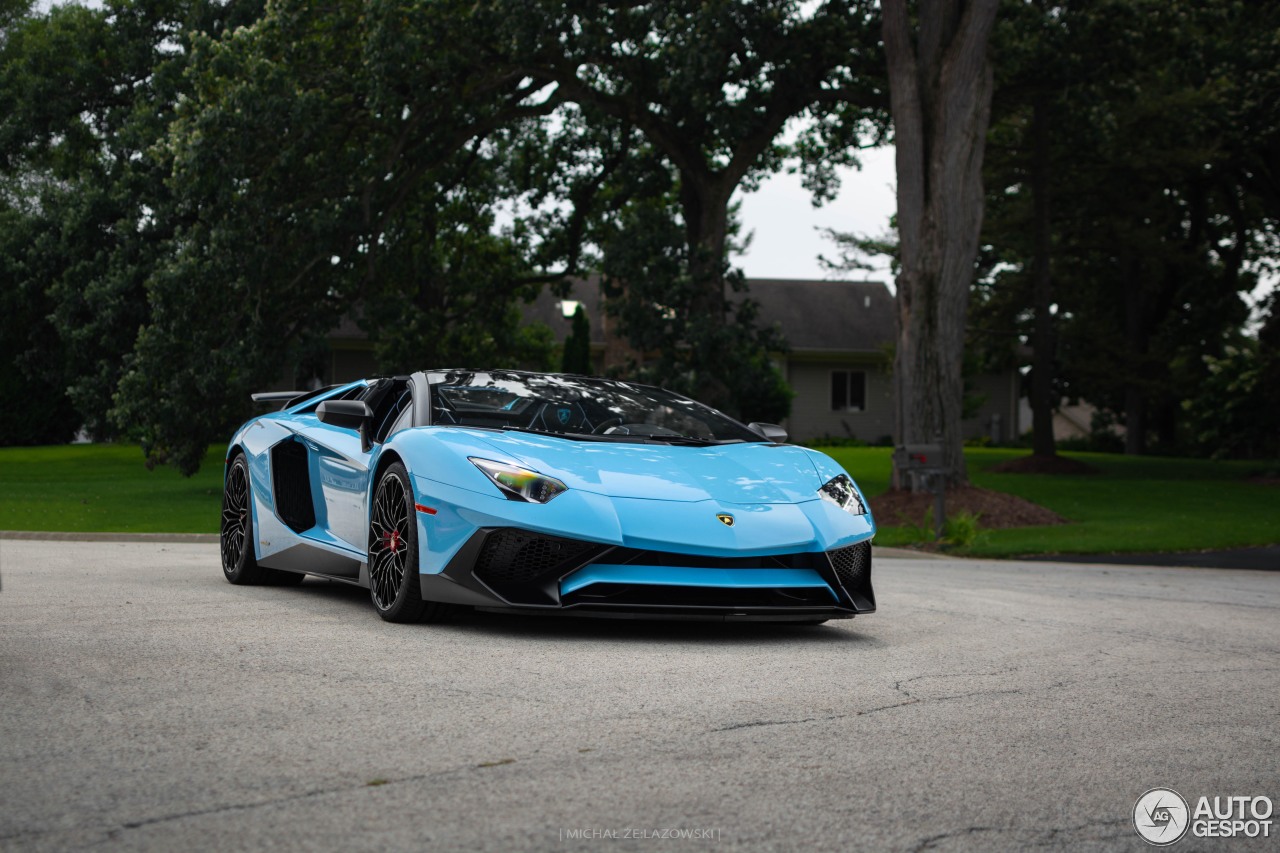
column 848, row 391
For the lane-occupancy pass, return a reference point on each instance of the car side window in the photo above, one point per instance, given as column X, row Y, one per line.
column 403, row 422
column 396, row 415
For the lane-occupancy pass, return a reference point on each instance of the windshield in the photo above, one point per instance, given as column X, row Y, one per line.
column 576, row 407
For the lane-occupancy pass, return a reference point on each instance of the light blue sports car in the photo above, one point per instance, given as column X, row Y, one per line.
column 542, row 493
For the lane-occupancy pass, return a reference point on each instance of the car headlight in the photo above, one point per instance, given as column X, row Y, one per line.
column 841, row 492
column 520, row 484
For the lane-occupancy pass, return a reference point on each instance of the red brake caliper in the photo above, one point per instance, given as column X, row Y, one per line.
column 392, row 540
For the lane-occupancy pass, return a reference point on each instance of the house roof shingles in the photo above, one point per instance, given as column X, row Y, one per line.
column 814, row 316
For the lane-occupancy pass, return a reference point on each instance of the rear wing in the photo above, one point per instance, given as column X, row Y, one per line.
column 281, row 397
column 289, row 398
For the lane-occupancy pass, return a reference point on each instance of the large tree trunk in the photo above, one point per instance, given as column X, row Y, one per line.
column 940, row 95
column 1044, row 342
column 705, row 205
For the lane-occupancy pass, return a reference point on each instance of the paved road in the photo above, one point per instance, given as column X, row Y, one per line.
column 147, row 704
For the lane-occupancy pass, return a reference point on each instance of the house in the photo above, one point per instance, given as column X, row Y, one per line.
column 841, row 335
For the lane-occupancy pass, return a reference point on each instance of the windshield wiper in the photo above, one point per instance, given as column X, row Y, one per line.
column 681, row 440
column 620, row 438
column 572, row 436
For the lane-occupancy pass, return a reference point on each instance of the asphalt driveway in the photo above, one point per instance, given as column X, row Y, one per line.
column 147, row 704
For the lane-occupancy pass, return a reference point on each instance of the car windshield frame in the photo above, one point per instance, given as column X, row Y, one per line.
column 583, row 408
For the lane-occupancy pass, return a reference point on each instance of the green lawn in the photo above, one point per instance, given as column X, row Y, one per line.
column 1135, row 504
column 105, row 487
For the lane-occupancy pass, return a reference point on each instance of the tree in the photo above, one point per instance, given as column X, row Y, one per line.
column 577, row 346
column 1054, row 58
column 34, row 408
column 1235, row 410
column 84, row 96
column 328, row 158
column 704, row 91
column 940, row 84
column 1156, row 143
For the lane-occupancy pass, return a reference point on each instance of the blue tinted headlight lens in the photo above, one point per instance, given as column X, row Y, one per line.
column 520, row 483
column 841, row 492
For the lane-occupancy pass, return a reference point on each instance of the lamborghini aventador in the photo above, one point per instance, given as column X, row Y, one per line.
column 542, row 493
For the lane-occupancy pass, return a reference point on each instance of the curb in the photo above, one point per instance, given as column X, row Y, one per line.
column 57, row 536
column 910, row 554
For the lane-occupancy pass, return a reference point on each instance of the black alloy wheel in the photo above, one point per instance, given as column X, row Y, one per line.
column 239, row 561
column 236, row 524
column 393, row 553
column 389, row 541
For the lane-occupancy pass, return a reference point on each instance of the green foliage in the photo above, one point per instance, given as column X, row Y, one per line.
column 34, row 408
column 676, row 340
column 577, row 346
column 685, row 103
column 826, row 441
column 321, row 164
column 205, row 215
column 1235, row 411
column 193, row 193
column 961, row 530
column 1099, row 441
column 85, row 94
column 1161, row 211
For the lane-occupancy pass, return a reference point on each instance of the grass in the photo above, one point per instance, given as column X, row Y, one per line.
column 105, row 487
column 1135, row 504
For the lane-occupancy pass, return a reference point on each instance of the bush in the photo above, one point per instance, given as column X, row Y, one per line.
column 835, row 441
column 961, row 530
column 1097, row 442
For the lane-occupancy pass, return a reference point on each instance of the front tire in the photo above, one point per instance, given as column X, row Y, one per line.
column 393, row 553
column 239, row 562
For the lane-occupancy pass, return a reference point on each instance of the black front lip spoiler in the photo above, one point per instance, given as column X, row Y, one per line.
column 458, row 584
column 700, row 614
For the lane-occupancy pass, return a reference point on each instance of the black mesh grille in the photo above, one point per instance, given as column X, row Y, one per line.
column 515, row 557
column 852, row 565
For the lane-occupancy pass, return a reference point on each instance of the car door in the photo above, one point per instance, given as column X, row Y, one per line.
column 341, row 477
column 343, row 464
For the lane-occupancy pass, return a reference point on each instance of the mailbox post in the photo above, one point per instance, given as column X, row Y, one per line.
column 923, row 467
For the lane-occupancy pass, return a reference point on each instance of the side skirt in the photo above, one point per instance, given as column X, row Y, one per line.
column 310, row 560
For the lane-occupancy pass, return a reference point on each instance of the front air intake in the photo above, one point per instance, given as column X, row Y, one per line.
column 526, row 567
column 852, row 566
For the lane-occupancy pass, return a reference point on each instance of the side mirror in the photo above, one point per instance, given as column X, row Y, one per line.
column 771, row 432
column 347, row 414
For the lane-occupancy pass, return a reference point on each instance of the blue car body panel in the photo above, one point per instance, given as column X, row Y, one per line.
column 642, row 519
column 757, row 578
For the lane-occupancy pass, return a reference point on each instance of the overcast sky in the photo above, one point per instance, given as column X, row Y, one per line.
column 786, row 227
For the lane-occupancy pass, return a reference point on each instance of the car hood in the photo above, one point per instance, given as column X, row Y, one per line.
column 733, row 473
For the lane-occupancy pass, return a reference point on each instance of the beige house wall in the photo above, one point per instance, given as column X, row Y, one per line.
column 811, row 414
column 812, row 417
